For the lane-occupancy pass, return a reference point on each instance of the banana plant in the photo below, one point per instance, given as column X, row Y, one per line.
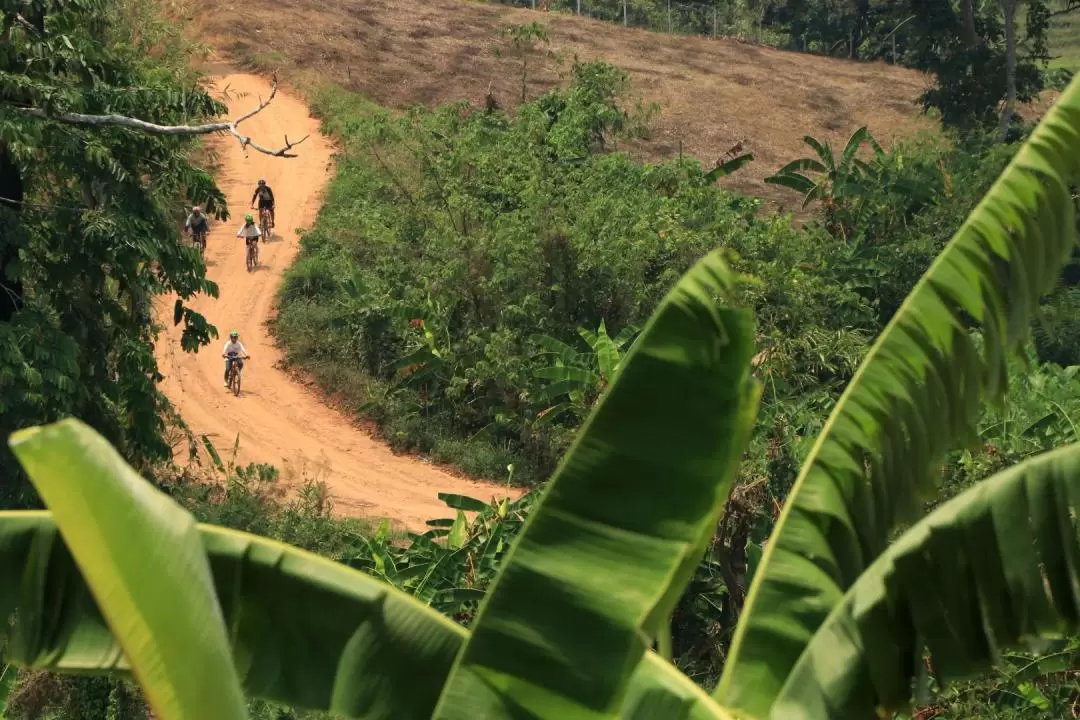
column 838, row 185
column 579, row 377
column 855, row 584
column 916, row 395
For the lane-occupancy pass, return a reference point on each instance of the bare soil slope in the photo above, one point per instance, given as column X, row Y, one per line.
column 279, row 420
column 713, row 93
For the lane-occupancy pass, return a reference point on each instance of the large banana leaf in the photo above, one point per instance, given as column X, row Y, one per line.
column 140, row 554
column 917, row 392
column 994, row 565
column 606, row 552
column 305, row 631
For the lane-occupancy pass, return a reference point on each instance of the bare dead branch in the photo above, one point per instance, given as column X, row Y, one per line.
column 155, row 129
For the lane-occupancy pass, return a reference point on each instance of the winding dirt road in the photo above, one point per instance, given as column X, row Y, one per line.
column 279, row 420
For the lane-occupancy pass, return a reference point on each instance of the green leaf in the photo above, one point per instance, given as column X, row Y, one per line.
column 792, row 181
column 141, row 556
column 550, row 414
column 917, row 393
column 824, row 152
column 852, row 147
column 996, row 565
column 576, row 374
column 727, row 167
column 564, row 352
column 589, row 581
column 459, row 532
column 607, row 355
column 306, row 632
column 557, row 389
column 463, row 502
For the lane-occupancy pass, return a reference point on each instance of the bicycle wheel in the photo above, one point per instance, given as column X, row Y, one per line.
column 234, row 380
column 264, row 222
column 249, row 259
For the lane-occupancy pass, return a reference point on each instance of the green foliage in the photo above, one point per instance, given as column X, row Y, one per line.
column 523, row 40
column 579, row 377
column 88, row 220
column 841, row 184
column 602, row 560
column 975, row 551
column 915, row 396
column 451, row 237
column 117, row 525
column 552, row 637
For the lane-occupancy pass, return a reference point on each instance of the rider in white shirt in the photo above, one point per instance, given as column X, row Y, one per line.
column 233, row 346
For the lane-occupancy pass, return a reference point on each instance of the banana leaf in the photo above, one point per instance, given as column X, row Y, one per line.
column 305, row 631
column 915, row 396
column 991, row 567
column 122, row 531
column 609, row 548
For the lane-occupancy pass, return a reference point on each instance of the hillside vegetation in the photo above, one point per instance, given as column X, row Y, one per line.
column 713, row 94
column 754, row 446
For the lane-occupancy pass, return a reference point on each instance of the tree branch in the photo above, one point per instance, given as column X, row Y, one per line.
column 155, row 129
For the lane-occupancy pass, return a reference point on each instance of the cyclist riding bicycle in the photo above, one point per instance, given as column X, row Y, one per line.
column 265, row 197
column 236, row 349
column 250, row 231
column 197, row 222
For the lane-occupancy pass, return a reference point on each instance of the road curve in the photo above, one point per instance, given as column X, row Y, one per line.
column 279, row 420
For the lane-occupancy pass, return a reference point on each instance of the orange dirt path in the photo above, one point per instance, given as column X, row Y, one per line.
column 279, row 420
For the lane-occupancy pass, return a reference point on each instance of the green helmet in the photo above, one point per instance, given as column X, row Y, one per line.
column 234, row 334
column 249, row 218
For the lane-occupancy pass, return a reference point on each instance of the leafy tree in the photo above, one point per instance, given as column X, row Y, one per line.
column 592, row 579
column 90, row 198
column 523, row 41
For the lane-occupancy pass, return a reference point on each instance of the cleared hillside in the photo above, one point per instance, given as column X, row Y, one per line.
column 713, row 93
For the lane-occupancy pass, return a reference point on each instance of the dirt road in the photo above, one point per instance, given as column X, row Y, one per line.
column 280, row 421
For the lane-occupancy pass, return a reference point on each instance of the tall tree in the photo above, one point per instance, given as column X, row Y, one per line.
column 90, row 199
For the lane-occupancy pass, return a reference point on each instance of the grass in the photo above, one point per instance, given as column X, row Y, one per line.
column 713, row 93
column 1064, row 41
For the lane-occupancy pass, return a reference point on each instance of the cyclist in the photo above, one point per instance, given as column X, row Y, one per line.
column 250, row 231
column 265, row 197
column 197, row 222
column 237, row 348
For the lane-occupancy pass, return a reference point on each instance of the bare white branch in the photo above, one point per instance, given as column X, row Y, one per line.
column 155, row 129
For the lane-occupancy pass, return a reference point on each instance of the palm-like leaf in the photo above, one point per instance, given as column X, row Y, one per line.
column 305, row 631
column 122, row 531
column 725, row 168
column 967, row 580
column 607, row 355
column 554, row 346
column 792, row 181
column 852, row 148
column 589, row 582
column 824, row 152
column 917, row 392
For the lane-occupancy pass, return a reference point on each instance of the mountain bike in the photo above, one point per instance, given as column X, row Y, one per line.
column 264, row 223
column 252, row 254
column 199, row 239
column 234, row 373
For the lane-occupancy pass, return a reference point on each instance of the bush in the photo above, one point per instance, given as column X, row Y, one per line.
column 450, row 238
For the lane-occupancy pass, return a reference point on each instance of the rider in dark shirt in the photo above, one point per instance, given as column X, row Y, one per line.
column 265, row 196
